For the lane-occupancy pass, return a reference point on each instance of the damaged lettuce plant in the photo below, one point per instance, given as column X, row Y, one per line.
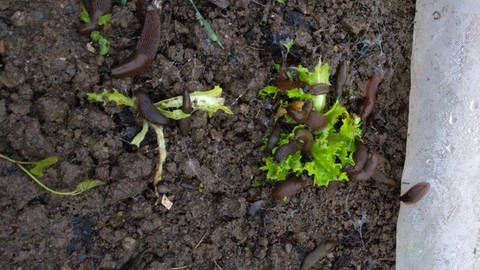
column 172, row 108
column 37, row 171
column 308, row 137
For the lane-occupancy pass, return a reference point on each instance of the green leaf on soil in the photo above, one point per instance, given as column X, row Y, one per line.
column 84, row 16
column 111, row 96
column 140, row 135
column 40, row 165
column 103, row 43
column 206, row 25
column 86, row 185
column 288, row 44
column 104, row 19
column 268, row 90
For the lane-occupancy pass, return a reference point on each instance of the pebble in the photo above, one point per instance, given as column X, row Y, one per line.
column 69, row 9
column 128, row 243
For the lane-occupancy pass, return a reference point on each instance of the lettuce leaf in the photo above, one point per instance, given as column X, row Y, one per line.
column 332, row 150
column 320, row 74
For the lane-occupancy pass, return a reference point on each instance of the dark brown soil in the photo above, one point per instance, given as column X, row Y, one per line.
column 208, row 174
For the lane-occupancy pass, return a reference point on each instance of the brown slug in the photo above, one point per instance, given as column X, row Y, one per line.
column 148, row 110
column 342, row 74
column 360, row 157
column 301, row 116
column 415, row 193
column 184, row 124
column 273, row 139
column 370, row 93
column 287, row 149
column 317, row 120
column 284, row 84
column 368, row 170
column 288, row 188
column 304, row 136
column 146, row 49
column 96, row 9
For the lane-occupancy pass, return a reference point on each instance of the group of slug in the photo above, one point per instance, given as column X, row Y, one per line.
column 142, row 57
column 365, row 163
column 146, row 50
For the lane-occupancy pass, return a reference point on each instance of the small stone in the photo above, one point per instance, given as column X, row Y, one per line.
column 288, row 248
column 69, row 9
column 128, row 243
column 18, row 19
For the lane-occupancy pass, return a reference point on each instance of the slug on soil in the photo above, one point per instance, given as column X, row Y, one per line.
column 415, row 193
column 370, row 94
column 96, row 9
column 146, row 49
column 368, row 170
column 148, row 110
column 360, row 157
column 288, row 188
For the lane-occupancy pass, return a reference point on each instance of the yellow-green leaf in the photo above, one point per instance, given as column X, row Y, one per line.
column 40, row 165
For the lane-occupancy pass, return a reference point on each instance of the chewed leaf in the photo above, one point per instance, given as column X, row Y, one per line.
column 86, row 185
column 319, row 75
column 208, row 101
column 141, row 135
column 268, row 90
column 111, row 96
column 105, row 19
column 40, row 165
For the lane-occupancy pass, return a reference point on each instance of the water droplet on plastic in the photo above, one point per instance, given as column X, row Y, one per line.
column 429, row 161
column 474, row 105
column 449, row 148
column 451, row 119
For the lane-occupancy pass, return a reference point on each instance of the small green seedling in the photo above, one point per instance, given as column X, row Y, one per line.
column 211, row 33
column 37, row 171
column 84, row 16
column 104, row 19
column 103, row 42
column 209, row 101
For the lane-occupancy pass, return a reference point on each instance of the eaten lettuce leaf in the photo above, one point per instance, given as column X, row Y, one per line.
column 209, row 101
column 318, row 75
column 332, row 150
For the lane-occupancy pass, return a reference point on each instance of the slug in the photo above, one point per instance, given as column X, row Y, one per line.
column 368, row 170
column 288, row 188
column 370, row 94
column 184, row 124
column 318, row 89
column 301, row 116
column 360, row 157
column 316, row 120
column 342, row 74
column 284, row 84
column 287, row 149
column 96, row 9
column 306, row 138
column 415, row 193
column 148, row 110
column 273, row 139
column 146, row 49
